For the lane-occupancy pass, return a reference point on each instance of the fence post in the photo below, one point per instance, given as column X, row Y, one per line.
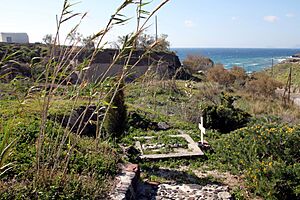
column 202, row 129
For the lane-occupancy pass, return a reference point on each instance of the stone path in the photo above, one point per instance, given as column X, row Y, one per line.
column 181, row 185
column 183, row 192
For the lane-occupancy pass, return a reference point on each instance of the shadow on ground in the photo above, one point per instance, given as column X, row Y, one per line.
column 152, row 178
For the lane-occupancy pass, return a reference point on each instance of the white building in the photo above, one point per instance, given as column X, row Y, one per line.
column 14, row 37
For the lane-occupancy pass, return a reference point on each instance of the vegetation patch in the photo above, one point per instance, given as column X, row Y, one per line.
column 225, row 117
column 268, row 156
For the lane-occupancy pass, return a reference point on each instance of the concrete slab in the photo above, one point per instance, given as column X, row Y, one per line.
column 192, row 151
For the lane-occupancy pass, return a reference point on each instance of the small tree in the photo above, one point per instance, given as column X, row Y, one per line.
column 162, row 43
column 145, row 41
column 48, row 39
column 116, row 118
column 88, row 42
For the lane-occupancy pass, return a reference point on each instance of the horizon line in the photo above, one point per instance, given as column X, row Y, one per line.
column 235, row 48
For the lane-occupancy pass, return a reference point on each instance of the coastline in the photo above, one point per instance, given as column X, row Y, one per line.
column 251, row 59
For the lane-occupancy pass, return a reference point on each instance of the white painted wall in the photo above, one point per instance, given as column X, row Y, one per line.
column 15, row 37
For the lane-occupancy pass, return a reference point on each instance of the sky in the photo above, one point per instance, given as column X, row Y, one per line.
column 188, row 23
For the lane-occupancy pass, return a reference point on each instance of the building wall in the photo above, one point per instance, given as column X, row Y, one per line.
column 15, row 37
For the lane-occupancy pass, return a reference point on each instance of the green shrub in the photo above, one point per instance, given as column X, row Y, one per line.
column 268, row 155
column 115, row 121
column 91, row 165
column 225, row 117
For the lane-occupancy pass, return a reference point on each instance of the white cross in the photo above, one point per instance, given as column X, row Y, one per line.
column 202, row 129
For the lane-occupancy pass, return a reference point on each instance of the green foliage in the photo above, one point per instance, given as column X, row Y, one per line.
column 267, row 154
column 145, row 41
column 51, row 162
column 6, row 150
column 280, row 72
column 115, row 121
column 97, row 163
column 225, row 117
column 136, row 120
column 19, row 53
column 48, row 39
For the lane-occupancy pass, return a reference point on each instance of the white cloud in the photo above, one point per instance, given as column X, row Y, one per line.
column 290, row 15
column 235, row 18
column 271, row 18
column 189, row 23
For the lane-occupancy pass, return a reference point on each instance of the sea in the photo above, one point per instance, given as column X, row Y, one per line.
column 251, row 59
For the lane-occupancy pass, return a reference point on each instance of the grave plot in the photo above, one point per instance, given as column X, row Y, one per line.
column 167, row 146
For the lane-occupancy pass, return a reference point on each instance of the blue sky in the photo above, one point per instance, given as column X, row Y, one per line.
column 188, row 23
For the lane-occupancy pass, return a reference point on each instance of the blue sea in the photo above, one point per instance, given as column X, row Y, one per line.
column 250, row 59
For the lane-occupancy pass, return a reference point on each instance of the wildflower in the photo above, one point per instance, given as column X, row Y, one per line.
column 265, row 169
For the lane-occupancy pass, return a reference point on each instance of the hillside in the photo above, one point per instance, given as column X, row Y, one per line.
column 281, row 73
column 69, row 140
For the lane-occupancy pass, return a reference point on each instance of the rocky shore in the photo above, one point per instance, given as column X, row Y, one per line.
column 293, row 59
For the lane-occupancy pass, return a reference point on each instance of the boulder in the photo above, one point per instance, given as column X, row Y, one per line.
column 291, row 60
column 163, row 126
column 297, row 55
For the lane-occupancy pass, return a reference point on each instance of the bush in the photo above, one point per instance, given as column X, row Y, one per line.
column 115, row 121
column 225, row 117
column 91, row 166
column 239, row 74
column 262, row 85
column 268, row 156
column 195, row 63
column 220, row 75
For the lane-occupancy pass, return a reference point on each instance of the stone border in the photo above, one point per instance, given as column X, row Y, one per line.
column 193, row 146
column 127, row 182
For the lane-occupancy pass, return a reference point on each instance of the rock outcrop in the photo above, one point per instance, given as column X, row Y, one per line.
column 159, row 64
column 297, row 55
